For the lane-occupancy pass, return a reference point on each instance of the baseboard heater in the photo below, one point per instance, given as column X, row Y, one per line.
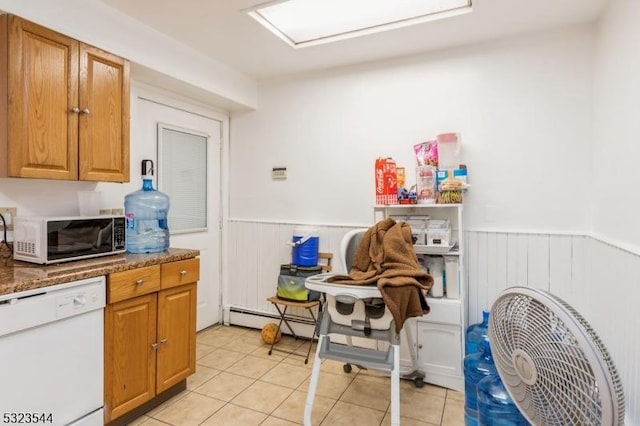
column 253, row 318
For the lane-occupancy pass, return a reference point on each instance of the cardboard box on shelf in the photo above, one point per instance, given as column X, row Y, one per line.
column 401, row 177
column 386, row 181
column 443, row 174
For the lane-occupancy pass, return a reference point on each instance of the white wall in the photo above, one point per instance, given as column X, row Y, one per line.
column 523, row 108
column 616, row 152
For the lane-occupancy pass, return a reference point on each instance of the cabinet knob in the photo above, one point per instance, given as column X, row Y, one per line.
column 140, row 281
column 183, row 273
column 85, row 111
column 75, row 110
column 420, row 346
column 164, row 341
column 154, row 346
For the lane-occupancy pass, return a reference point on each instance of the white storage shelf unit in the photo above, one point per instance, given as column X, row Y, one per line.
column 439, row 346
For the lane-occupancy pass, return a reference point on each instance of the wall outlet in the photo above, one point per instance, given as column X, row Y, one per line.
column 9, row 213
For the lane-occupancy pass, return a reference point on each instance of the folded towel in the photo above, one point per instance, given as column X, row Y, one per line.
column 385, row 257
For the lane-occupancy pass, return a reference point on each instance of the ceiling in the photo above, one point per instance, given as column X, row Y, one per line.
column 220, row 29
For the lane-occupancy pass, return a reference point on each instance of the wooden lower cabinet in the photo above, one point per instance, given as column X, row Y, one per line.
column 150, row 339
column 176, row 335
column 130, row 360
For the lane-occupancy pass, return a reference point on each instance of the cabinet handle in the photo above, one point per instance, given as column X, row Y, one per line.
column 183, row 273
column 164, row 341
column 154, row 346
column 75, row 110
column 140, row 281
column 85, row 111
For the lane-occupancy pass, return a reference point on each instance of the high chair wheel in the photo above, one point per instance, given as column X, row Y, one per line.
column 418, row 382
column 346, row 368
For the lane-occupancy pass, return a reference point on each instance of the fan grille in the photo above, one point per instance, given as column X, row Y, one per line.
column 552, row 362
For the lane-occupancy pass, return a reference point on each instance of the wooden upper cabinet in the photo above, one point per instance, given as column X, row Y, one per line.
column 64, row 110
column 104, row 116
column 42, row 88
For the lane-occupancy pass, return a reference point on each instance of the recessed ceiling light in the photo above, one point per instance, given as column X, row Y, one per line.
column 310, row 22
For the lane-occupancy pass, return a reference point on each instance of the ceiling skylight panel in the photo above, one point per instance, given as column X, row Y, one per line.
column 306, row 22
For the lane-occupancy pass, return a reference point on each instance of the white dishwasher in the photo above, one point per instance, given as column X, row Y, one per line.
column 51, row 354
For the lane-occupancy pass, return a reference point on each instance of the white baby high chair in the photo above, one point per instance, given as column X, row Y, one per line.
column 353, row 310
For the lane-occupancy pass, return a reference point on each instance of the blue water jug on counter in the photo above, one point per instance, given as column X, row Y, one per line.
column 495, row 406
column 477, row 366
column 146, row 211
column 476, row 333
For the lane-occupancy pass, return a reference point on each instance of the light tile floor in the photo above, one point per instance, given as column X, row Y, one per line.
column 238, row 383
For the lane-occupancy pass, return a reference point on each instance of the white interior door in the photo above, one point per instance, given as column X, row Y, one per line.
column 150, row 112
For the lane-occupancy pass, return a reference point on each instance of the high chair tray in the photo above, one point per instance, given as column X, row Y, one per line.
column 319, row 283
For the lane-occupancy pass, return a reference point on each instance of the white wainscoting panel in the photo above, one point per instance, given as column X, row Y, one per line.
column 497, row 260
column 599, row 280
column 256, row 251
column 610, row 305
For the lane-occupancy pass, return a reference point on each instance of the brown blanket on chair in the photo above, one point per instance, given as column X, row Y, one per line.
column 385, row 257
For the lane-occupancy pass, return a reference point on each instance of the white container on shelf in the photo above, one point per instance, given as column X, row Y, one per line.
column 436, row 268
column 426, row 184
column 448, row 151
column 438, row 232
column 418, row 225
column 452, row 278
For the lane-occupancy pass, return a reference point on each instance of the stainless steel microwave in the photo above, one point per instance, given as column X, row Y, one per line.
column 47, row 240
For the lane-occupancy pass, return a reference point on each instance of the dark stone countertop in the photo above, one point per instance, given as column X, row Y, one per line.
column 17, row 276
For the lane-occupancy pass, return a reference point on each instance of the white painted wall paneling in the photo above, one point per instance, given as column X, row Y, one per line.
column 599, row 280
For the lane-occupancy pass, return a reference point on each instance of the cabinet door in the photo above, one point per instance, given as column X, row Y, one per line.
column 42, row 91
column 130, row 354
column 440, row 349
column 104, row 116
column 176, row 335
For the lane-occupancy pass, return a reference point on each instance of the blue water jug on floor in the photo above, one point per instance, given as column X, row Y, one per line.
column 495, row 406
column 477, row 366
column 476, row 333
column 146, row 212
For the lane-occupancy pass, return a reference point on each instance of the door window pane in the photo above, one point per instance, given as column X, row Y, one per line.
column 182, row 175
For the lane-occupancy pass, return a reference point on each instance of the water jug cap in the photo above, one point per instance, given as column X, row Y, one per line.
column 147, row 169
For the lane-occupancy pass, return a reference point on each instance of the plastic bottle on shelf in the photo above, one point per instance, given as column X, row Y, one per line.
column 495, row 406
column 476, row 333
column 477, row 366
column 146, row 211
